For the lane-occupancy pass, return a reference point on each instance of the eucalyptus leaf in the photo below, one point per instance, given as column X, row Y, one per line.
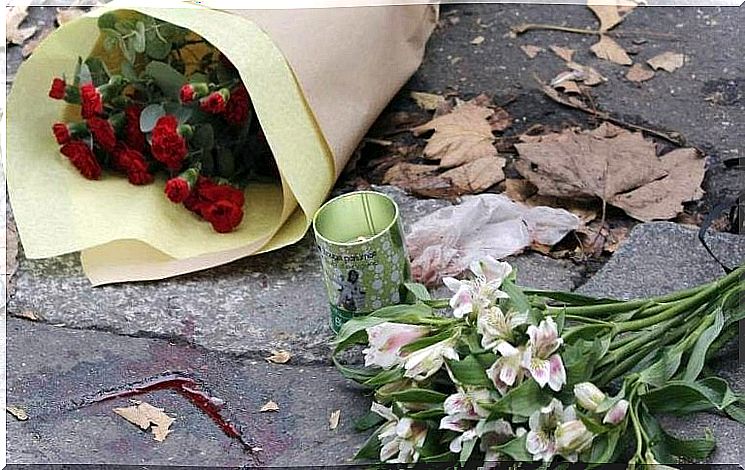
column 110, row 43
column 150, row 115
column 107, row 21
column 128, row 71
column 138, row 43
column 125, row 26
column 84, row 75
column 168, row 79
column 204, row 138
column 156, row 46
column 198, row 77
column 225, row 162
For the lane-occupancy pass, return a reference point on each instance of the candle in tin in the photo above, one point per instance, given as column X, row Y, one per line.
column 363, row 255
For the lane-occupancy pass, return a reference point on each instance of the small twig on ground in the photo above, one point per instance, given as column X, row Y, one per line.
column 525, row 27
column 673, row 137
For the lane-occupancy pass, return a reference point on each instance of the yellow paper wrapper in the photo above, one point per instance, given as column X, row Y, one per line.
column 318, row 78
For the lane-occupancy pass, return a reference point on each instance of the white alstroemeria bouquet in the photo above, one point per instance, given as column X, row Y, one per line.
column 515, row 374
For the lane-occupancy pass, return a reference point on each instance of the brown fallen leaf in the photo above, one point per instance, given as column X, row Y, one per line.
column 587, row 211
column 667, row 61
column 564, row 53
column 15, row 16
column 334, row 419
column 462, row 136
column 476, row 176
column 586, row 74
column 478, row 40
column 611, row 15
column 531, row 51
column 639, row 73
column 269, row 407
column 17, row 412
column 615, row 237
column 427, row 101
column 65, row 15
column 519, row 189
column 500, row 120
column 147, row 416
column 608, row 49
column 663, row 198
column 280, row 357
column 615, row 166
column 28, row 315
column 30, row 46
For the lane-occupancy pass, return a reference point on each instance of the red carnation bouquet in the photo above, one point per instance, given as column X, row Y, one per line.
column 174, row 106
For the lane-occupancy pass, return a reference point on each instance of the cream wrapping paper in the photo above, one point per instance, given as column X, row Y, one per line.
column 318, row 78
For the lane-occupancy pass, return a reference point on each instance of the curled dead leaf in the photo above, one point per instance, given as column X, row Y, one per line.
column 270, row 406
column 147, row 416
column 15, row 16
column 334, row 419
column 280, row 357
column 461, row 136
column 531, row 51
column 639, row 73
column 608, row 49
column 427, row 101
column 476, row 176
column 667, row 61
column 478, row 40
column 17, row 412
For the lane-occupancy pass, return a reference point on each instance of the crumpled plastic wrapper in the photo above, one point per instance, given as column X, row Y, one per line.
column 445, row 242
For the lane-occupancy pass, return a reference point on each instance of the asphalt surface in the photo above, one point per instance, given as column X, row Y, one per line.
column 87, row 340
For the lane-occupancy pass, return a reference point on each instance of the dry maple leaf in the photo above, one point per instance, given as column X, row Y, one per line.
column 280, row 357
column 608, row 49
column 476, row 176
column 17, row 412
column 668, row 61
column 334, row 419
column 614, row 165
column 427, row 101
column 639, row 73
column 14, row 17
column 531, row 51
column 564, row 53
column 147, row 416
column 462, row 136
column 269, row 406
column 611, row 15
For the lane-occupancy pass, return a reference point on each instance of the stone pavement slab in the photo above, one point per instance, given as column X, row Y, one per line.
column 247, row 307
column 662, row 257
column 48, row 367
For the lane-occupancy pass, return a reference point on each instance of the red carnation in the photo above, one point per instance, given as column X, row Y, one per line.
column 224, row 216
column 81, row 156
column 213, row 192
column 187, row 94
column 103, row 133
column 92, row 102
column 177, row 189
column 236, row 111
column 214, row 103
column 133, row 136
column 132, row 162
column 58, row 89
column 61, row 133
column 168, row 146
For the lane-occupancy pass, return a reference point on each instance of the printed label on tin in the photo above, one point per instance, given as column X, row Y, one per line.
column 364, row 277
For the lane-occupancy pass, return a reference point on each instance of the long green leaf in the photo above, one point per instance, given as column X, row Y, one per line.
column 516, row 449
column 419, row 291
column 385, row 377
column 418, row 395
column 569, row 298
column 469, row 371
column 353, row 331
column 698, row 355
column 522, row 400
column 369, row 421
column 371, row 449
column 517, row 297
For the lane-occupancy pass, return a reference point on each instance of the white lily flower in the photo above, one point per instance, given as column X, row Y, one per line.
column 400, row 438
column 544, row 367
column 651, row 463
column 493, row 434
column 617, row 414
column 588, row 396
column 543, row 423
column 456, row 422
column 491, row 271
column 572, row 438
column 496, row 326
column 386, row 340
column 463, row 299
column 507, row 369
column 423, row 363
column 456, row 445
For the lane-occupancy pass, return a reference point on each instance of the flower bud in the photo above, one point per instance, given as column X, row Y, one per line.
column 185, row 131
column 617, row 414
column 588, row 396
column 573, row 436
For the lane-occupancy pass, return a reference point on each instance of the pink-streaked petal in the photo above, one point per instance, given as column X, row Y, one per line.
column 540, row 370
column 508, row 375
column 557, row 375
column 534, row 443
column 617, row 414
column 451, row 283
column 507, row 350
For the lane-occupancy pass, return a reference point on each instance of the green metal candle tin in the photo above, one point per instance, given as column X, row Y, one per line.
column 360, row 240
